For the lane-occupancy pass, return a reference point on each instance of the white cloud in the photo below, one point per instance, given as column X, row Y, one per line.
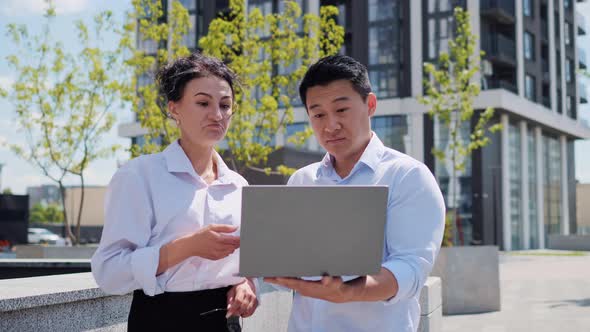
column 36, row 7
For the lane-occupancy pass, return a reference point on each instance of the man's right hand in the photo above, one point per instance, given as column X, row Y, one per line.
column 213, row 241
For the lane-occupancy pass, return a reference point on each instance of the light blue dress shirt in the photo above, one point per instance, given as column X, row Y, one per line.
column 153, row 200
column 413, row 234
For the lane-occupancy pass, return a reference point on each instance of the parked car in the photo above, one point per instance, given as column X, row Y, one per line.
column 44, row 236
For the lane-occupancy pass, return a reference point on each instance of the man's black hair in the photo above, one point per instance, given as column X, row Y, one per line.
column 333, row 68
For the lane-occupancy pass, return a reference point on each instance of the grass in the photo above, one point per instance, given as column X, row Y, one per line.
column 548, row 253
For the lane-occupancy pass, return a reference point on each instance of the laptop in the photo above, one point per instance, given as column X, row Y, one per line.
column 303, row 231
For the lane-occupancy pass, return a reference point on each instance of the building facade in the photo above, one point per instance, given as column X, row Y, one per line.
column 43, row 194
column 520, row 188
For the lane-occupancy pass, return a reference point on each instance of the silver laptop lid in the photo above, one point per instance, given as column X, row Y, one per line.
column 296, row 231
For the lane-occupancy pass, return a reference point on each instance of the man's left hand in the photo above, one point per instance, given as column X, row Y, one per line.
column 241, row 299
column 331, row 289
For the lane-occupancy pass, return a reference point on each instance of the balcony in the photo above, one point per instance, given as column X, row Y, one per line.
column 582, row 58
column 500, row 10
column 499, row 49
column 581, row 21
column 583, row 93
column 494, row 83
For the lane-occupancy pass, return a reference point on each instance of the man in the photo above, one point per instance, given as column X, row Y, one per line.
column 339, row 102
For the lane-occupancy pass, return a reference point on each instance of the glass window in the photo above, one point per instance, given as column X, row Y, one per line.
column 529, row 46
column 436, row 6
column 566, row 4
column 567, row 32
column 461, row 188
column 514, row 150
column 440, row 31
column 530, row 87
column 382, row 10
column 569, row 106
column 385, row 44
column 383, row 48
column 552, row 185
column 568, row 70
column 392, row 130
column 532, row 183
column 384, row 82
column 527, row 7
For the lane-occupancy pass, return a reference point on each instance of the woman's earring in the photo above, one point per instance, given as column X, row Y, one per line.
column 177, row 122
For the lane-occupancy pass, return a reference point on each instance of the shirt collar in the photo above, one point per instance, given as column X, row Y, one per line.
column 370, row 157
column 177, row 162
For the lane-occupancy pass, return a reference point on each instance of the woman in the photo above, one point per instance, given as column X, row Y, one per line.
column 172, row 218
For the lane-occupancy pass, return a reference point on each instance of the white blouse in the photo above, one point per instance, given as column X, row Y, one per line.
column 153, row 200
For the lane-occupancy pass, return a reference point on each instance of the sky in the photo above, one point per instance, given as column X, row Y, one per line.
column 18, row 174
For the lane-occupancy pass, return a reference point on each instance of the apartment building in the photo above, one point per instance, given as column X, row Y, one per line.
column 521, row 187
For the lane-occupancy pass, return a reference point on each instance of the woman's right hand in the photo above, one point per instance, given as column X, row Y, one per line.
column 213, row 241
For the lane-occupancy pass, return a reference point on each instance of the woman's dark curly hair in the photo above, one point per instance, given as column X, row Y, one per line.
column 173, row 77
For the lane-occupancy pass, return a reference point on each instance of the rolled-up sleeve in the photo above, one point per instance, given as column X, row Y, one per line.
column 123, row 261
column 415, row 225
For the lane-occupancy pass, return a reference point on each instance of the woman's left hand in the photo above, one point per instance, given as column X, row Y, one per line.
column 241, row 299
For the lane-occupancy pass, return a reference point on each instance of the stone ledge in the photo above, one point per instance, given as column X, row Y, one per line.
column 74, row 302
column 24, row 293
column 431, row 296
column 569, row 242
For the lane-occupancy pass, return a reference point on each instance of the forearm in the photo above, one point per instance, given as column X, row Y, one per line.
column 379, row 287
column 172, row 253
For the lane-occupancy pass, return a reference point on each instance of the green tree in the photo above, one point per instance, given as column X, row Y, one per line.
column 46, row 213
column 37, row 213
column 147, row 18
column 450, row 88
column 7, row 191
column 270, row 54
column 63, row 100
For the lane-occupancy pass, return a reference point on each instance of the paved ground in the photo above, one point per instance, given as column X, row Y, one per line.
column 539, row 293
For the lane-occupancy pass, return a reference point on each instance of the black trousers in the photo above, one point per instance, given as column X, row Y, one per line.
column 181, row 311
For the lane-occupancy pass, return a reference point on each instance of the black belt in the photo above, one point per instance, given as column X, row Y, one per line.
column 202, row 310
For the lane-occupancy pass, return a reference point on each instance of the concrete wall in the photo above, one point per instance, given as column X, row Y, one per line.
column 470, row 279
column 583, row 208
column 569, row 242
column 73, row 303
column 93, row 211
